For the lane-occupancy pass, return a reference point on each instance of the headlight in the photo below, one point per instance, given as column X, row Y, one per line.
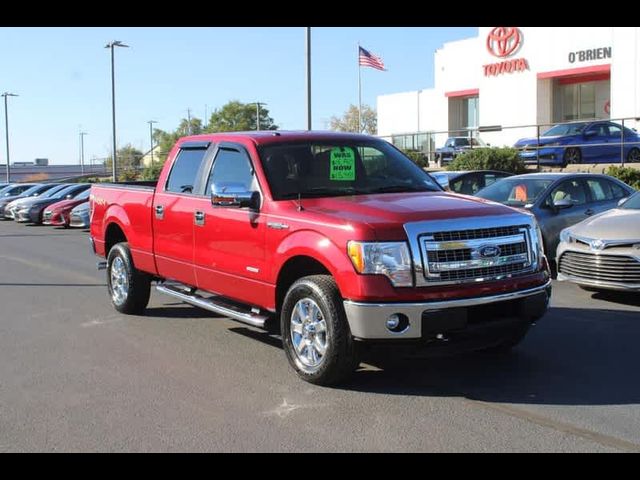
column 565, row 236
column 390, row 259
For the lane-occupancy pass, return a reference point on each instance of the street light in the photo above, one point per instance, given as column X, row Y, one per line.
column 151, row 122
column 258, row 114
column 6, row 125
column 82, row 134
column 115, row 43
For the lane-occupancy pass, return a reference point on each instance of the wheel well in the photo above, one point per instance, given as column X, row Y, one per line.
column 292, row 270
column 113, row 235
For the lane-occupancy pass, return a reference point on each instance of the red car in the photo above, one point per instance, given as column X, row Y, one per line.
column 58, row 213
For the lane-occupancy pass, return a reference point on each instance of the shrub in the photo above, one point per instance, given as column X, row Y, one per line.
column 628, row 175
column 418, row 157
column 152, row 172
column 128, row 175
column 493, row 158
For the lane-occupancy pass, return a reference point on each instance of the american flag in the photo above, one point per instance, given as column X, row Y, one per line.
column 368, row 59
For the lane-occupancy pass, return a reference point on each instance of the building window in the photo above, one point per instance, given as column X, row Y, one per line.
column 580, row 101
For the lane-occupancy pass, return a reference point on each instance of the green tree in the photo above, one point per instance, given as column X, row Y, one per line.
column 348, row 122
column 166, row 140
column 236, row 116
column 129, row 158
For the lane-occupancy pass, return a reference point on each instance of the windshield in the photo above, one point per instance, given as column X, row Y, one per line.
column 321, row 169
column 570, row 129
column 34, row 191
column 53, row 191
column 516, row 192
column 84, row 195
column 633, row 203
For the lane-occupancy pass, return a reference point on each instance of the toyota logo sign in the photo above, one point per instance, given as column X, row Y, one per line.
column 503, row 41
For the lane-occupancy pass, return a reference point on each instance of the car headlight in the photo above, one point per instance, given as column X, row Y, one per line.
column 565, row 236
column 391, row 259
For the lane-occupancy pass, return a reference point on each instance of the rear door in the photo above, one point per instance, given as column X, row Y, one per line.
column 604, row 195
column 173, row 206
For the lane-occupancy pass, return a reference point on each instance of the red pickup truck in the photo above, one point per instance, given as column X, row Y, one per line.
column 338, row 240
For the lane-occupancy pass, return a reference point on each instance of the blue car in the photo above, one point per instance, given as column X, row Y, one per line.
column 584, row 142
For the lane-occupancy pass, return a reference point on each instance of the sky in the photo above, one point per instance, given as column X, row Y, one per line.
column 63, row 78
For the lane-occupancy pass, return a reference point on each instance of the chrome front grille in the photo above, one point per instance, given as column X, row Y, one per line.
column 481, row 254
column 598, row 267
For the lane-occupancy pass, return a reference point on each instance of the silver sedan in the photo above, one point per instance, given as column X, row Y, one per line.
column 603, row 252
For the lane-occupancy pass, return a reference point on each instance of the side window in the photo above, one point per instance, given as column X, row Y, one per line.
column 600, row 190
column 231, row 169
column 183, row 175
column 614, row 130
column 617, row 191
column 572, row 190
column 490, row 178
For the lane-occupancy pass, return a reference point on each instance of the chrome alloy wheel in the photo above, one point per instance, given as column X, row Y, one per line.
column 308, row 335
column 119, row 281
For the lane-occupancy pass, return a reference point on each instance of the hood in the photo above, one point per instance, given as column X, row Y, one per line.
column 616, row 224
column 543, row 140
column 389, row 212
column 33, row 202
column 67, row 204
column 8, row 200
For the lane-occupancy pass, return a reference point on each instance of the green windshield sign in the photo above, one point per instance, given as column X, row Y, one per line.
column 343, row 164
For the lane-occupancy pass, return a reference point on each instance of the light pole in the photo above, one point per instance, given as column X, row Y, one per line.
column 258, row 114
column 82, row 134
column 151, row 122
column 6, row 126
column 308, row 37
column 111, row 45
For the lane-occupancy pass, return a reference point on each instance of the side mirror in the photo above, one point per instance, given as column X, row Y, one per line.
column 234, row 196
column 622, row 201
column 562, row 204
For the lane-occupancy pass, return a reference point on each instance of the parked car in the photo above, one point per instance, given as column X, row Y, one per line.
column 582, row 142
column 45, row 191
column 558, row 200
column 603, row 252
column 80, row 216
column 58, row 214
column 2, row 185
column 470, row 182
column 31, row 212
column 295, row 228
column 454, row 146
column 20, row 190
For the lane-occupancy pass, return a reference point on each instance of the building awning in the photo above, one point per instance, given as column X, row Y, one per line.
column 579, row 75
column 463, row 93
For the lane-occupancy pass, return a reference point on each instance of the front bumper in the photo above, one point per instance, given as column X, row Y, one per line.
column 80, row 221
column 550, row 155
column 367, row 321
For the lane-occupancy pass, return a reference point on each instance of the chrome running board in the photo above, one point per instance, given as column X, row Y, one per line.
column 213, row 304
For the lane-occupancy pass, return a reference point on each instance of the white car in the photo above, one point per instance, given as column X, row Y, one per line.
column 603, row 252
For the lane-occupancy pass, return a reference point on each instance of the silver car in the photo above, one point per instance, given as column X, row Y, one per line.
column 79, row 216
column 603, row 252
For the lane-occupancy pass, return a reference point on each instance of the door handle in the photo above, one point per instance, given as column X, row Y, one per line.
column 198, row 218
column 589, row 212
column 159, row 212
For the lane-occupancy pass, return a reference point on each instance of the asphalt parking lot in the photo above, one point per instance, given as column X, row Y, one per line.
column 77, row 376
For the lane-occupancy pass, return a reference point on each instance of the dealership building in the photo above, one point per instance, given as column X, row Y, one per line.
column 518, row 77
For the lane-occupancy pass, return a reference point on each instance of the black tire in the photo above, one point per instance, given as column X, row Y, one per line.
column 340, row 356
column 572, row 156
column 138, row 284
column 634, row 155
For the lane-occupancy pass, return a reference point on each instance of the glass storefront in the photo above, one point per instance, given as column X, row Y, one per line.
column 580, row 101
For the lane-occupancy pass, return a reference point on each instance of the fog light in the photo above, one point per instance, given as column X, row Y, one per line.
column 397, row 323
column 393, row 321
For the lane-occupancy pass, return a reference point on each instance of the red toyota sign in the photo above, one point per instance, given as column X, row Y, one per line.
column 503, row 41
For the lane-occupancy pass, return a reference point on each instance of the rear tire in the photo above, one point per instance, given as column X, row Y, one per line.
column 572, row 156
column 633, row 156
column 315, row 332
column 129, row 288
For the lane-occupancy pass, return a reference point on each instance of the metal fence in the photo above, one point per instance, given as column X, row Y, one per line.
column 592, row 141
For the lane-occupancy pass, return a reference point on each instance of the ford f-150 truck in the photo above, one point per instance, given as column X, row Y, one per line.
column 338, row 240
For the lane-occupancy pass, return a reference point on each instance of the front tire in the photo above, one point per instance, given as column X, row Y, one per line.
column 129, row 288
column 633, row 156
column 315, row 331
column 572, row 156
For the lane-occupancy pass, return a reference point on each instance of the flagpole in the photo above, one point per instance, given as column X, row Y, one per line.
column 359, row 93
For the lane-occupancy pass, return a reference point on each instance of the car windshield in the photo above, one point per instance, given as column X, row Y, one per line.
column 33, row 191
column 84, row 195
column 567, row 129
column 328, row 169
column 633, row 203
column 516, row 192
column 462, row 142
column 52, row 192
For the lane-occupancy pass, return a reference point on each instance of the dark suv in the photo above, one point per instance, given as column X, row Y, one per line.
column 454, row 146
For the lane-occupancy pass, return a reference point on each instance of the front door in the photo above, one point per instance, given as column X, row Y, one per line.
column 229, row 241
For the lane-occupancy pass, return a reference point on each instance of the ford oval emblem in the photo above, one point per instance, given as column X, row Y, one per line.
column 489, row 251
